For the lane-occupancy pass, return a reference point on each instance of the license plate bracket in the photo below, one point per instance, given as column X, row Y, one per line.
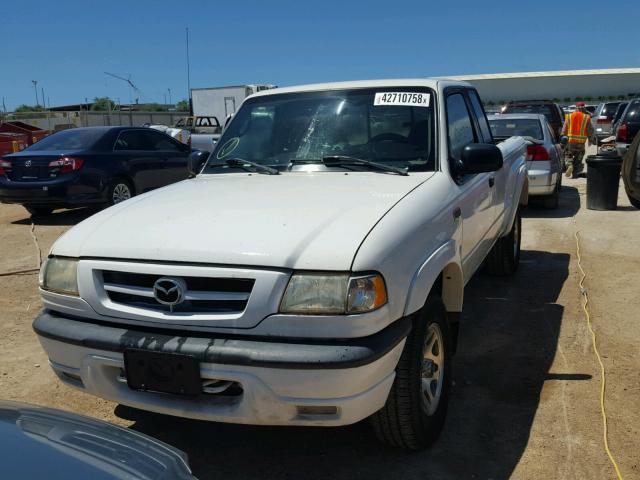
column 162, row 372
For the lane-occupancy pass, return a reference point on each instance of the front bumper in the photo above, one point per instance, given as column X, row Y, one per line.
column 283, row 382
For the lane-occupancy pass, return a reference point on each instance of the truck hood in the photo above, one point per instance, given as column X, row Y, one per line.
column 295, row 220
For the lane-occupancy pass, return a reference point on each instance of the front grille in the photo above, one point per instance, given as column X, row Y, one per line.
column 202, row 294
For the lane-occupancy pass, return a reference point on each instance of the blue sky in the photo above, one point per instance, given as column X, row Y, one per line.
column 67, row 45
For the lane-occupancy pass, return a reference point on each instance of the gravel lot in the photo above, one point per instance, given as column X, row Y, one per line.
column 525, row 402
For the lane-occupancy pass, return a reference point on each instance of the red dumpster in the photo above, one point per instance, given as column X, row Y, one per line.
column 34, row 133
column 13, row 142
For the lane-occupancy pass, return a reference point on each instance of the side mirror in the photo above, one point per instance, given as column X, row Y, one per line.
column 196, row 161
column 480, row 158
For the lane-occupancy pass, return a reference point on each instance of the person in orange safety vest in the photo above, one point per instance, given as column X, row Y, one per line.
column 577, row 130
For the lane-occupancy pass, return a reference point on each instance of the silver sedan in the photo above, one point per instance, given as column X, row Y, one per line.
column 544, row 156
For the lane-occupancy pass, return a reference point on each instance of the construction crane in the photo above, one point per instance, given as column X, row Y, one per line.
column 132, row 87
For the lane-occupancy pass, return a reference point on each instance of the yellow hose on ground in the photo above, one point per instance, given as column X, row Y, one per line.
column 585, row 307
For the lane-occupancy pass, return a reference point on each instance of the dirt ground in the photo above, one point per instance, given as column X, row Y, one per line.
column 525, row 401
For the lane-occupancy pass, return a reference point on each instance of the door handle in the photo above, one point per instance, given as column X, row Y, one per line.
column 457, row 213
column 492, row 182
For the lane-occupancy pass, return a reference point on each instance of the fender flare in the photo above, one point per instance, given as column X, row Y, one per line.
column 444, row 260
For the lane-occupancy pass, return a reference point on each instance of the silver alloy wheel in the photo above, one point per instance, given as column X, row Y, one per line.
column 432, row 371
column 121, row 192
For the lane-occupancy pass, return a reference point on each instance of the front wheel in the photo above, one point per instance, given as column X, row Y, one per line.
column 504, row 257
column 414, row 413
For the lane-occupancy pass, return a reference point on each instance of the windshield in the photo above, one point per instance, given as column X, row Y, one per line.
column 275, row 130
column 72, row 139
column 523, row 127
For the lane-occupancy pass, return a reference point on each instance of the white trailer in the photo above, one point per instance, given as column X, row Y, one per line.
column 222, row 101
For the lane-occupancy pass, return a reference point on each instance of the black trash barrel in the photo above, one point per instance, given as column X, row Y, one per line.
column 603, row 180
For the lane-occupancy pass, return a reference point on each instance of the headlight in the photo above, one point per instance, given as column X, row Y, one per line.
column 316, row 293
column 60, row 275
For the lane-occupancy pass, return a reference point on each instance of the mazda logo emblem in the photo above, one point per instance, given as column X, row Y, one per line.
column 27, row 163
column 169, row 291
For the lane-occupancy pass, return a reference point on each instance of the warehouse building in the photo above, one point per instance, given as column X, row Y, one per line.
column 563, row 86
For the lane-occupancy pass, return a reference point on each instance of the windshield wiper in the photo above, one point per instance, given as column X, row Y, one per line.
column 340, row 160
column 242, row 163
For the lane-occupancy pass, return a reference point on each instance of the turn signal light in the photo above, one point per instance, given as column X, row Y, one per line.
column 622, row 132
column 5, row 166
column 537, row 152
column 66, row 164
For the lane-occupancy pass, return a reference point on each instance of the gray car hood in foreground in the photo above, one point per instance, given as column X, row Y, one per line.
column 40, row 442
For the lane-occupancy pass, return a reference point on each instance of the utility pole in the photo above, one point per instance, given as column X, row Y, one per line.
column 189, row 76
column 169, row 90
column 35, row 89
column 44, row 104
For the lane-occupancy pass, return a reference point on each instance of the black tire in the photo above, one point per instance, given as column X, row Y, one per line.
column 635, row 202
column 39, row 211
column 116, row 192
column 406, row 421
column 504, row 257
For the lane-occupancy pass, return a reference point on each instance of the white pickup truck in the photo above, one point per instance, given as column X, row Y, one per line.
column 312, row 273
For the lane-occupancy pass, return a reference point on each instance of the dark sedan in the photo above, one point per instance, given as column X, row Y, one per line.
column 91, row 166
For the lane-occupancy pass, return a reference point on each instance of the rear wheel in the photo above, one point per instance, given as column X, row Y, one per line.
column 414, row 413
column 119, row 191
column 504, row 257
column 39, row 211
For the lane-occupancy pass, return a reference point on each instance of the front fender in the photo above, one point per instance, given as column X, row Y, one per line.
column 446, row 261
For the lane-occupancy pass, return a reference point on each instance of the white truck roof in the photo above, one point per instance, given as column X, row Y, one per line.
column 398, row 82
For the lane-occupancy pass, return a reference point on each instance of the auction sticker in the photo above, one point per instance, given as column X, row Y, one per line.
column 406, row 99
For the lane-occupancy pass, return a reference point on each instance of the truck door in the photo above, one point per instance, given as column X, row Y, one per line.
column 229, row 106
column 497, row 180
column 475, row 193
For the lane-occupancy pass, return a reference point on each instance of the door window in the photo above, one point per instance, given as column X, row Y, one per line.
column 161, row 142
column 132, row 140
column 485, row 131
column 459, row 125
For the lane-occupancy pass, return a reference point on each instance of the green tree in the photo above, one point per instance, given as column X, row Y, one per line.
column 490, row 103
column 567, row 100
column 29, row 108
column 102, row 104
column 182, row 106
column 621, row 97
